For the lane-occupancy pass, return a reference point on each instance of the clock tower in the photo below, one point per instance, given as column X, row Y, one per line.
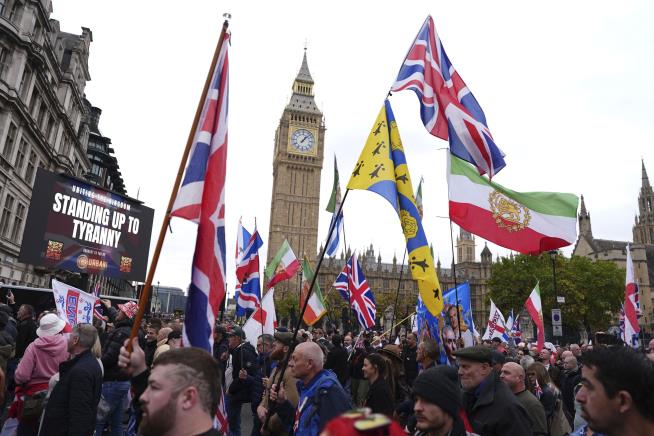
column 297, row 164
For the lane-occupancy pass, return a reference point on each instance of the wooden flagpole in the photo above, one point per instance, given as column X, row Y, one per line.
column 145, row 292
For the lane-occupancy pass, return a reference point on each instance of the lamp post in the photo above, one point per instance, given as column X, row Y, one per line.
column 553, row 254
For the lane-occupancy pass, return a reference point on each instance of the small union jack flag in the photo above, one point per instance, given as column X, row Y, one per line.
column 247, row 274
column 447, row 107
column 353, row 287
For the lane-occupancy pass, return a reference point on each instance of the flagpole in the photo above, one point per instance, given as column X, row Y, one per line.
column 456, row 287
column 397, row 294
column 284, row 363
column 349, row 306
column 145, row 293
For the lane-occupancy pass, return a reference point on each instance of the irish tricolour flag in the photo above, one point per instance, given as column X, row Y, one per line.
column 535, row 309
column 316, row 306
column 527, row 222
column 283, row 266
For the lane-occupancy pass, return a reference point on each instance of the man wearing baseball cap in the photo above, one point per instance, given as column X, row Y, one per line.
column 115, row 385
column 489, row 403
column 241, row 374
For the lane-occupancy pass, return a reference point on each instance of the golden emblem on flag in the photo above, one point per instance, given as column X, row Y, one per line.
column 507, row 213
column 409, row 224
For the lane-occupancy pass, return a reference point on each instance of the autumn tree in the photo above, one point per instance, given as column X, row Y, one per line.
column 593, row 290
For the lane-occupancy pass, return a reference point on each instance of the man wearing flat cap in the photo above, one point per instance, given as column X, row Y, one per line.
column 280, row 349
column 490, row 405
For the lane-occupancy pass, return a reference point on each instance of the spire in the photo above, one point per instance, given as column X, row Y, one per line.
column 645, row 178
column 582, row 209
column 304, row 75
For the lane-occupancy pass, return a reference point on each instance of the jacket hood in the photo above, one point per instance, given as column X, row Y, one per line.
column 52, row 345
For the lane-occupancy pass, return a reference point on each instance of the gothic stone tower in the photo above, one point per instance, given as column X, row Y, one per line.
column 644, row 225
column 297, row 163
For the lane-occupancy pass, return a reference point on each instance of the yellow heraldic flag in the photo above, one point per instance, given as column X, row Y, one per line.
column 382, row 168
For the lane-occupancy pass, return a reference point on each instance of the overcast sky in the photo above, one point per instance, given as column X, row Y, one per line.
column 566, row 87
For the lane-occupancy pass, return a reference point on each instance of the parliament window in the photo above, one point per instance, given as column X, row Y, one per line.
column 9, row 142
column 4, row 61
column 6, row 215
column 20, row 157
column 18, row 222
column 31, row 167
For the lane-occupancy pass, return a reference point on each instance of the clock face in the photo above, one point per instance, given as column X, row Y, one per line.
column 302, row 140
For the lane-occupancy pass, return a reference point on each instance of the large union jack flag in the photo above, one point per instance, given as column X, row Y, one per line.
column 247, row 274
column 353, row 287
column 201, row 199
column 447, row 107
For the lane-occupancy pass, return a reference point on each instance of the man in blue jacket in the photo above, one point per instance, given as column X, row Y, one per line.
column 322, row 398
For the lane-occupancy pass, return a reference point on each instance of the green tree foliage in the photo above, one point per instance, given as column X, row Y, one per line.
column 593, row 290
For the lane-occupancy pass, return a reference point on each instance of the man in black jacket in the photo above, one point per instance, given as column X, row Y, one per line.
column 115, row 384
column 337, row 360
column 242, row 386
column 409, row 356
column 71, row 409
column 491, row 406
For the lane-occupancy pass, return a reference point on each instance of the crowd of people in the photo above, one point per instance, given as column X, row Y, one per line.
column 91, row 380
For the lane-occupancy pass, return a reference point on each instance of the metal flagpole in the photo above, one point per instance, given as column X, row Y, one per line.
column 145, row 293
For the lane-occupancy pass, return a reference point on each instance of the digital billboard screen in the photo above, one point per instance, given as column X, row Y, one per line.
column 77, row 226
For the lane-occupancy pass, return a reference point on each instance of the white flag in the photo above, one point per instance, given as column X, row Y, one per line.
column 263, row 320
column 496, row 326
column 73, row 305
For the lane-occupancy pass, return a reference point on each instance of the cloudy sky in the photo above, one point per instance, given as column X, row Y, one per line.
column 566, row 87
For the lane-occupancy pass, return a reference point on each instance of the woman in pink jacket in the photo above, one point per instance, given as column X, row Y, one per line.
column 40, row 362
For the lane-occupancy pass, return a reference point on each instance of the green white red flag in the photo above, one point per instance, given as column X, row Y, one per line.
column 527, row 222
column 535, row 309
column 316, row 308
column 283, row 266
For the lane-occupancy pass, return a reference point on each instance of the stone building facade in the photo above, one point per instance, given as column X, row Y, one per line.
column 44, row 119
column 642, row 247
column 391, row 280
column 297, row 166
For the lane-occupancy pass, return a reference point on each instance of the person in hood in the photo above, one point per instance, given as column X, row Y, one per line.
column 116, row 384
column 322, row 397
column 40, row 362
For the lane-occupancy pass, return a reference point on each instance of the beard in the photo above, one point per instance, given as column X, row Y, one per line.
column 277, row 354
column 158, row 422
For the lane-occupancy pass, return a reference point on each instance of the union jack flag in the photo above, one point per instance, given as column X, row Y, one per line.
column 353, row 287
column 447, row 107
column 247, row 273
column 97, row 306
column 206, row 168
column 242, row 239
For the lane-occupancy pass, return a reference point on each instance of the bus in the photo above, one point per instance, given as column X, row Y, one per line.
column 43, row 298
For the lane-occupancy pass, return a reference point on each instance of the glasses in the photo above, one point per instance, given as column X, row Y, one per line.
column 451, row 341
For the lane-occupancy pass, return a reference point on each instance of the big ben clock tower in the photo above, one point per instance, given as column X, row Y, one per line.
column 297, row 163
